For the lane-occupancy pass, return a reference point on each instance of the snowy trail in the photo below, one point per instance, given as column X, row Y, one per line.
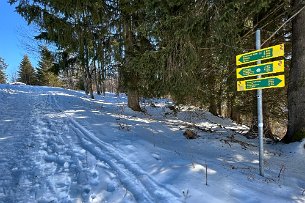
column 70, row 177
column 15, row 130
column 132, row 176
column 59, row 146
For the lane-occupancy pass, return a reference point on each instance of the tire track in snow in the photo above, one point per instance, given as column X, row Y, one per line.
column 137, row 181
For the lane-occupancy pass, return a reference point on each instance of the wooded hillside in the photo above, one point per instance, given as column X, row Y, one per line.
column 183, row 49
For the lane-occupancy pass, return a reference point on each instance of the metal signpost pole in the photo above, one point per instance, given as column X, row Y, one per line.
column 260, row 112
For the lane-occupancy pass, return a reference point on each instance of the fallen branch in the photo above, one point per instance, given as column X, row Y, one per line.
column 281, row 171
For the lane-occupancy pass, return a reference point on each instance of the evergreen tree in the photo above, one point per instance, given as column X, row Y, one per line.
column 185, row 49
column 45, row 74
column 3, row 66
column 26, row 72
column 72, row 26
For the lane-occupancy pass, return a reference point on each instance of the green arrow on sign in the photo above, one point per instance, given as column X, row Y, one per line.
column 261, row 83
column 262, row 69
column 270, row 52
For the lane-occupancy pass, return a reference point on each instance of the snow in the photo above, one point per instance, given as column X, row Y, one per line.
column 58, row 145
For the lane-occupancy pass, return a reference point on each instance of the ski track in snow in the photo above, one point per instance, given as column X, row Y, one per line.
column 59, row 172
column 51, row 153
column 136, row 181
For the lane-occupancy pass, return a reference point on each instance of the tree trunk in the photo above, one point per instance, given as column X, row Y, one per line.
column 85, row 84
column 133, row 100
column 130, row 75
column 213, row 100
column 103, row 81
column 97, row 78
column 253, row 131
column 233, row 110
column 88, row 73
column 296, row 85
column 213, row 105
column 267, row 126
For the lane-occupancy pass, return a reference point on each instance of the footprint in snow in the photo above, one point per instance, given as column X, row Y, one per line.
column 86, row 191
column 110, row 187
column 94, row 177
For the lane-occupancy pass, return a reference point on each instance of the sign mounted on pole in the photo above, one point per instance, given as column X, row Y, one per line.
column 261, row 83
column 260, row 69
column 261, row 54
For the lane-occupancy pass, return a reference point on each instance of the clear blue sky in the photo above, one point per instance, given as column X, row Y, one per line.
column 12, row 49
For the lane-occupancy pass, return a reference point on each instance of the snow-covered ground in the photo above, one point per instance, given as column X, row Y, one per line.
column 57, row 145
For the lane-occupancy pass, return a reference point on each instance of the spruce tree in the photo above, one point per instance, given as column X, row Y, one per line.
column 3, row 66
column 26, row 72
column 45, row 74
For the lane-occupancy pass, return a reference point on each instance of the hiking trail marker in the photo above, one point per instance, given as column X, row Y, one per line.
column 262, row 69
column 260, row 83
column 261, row 54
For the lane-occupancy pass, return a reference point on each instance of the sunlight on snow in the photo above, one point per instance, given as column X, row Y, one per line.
column 71, row 112
column 239, row 157
column 5, row 138
column 96, row 198
column 8, row 120
column 255, row 161
column 61, row 94
column 102, row 102
column 199, row 168
column 131, row 118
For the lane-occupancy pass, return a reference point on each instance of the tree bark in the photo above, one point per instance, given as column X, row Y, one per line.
column 88, row 72
column 97, row 78
column 296, row 84
column 267, row 126
column 133, row 100
column 233, row 110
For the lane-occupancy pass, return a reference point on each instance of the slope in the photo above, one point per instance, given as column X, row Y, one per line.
column 59, row 146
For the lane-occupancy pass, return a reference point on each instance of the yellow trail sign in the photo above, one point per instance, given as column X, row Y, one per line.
column 261, row 54
column 260, row 69
column 261, row 83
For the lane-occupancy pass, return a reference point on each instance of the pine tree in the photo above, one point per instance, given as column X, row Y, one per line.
column 26, row 72
column 3, row 66
column 185, row 49
column 45, row 74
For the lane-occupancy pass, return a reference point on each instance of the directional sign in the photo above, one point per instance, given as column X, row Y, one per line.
column 261, row 83
column 261, row 54
column 262, row 69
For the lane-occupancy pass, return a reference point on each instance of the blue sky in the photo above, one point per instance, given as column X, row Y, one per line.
column 12, row 38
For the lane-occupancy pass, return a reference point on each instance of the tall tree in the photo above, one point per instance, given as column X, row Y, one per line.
column 45, row 71
column 26, row 72
column 3, row 66
column 296, row 88
column 71, row 25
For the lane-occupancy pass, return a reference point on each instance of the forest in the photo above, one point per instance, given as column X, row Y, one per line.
column 179, row 49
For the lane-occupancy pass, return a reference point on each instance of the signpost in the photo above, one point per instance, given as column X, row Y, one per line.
column 262, row 69
column 260, row 83
column 261, row 54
